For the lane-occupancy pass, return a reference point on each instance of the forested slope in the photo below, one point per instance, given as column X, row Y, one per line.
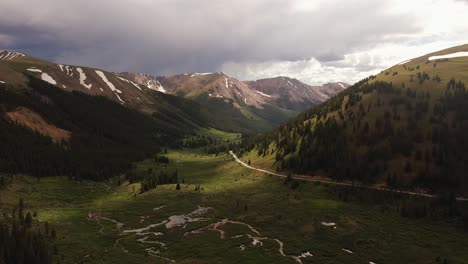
column 405, row 128
column 104, row 135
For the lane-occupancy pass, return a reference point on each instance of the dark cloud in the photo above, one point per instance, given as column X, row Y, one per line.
column 172, row 36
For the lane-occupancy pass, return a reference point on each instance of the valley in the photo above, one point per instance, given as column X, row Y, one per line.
column 244, row 217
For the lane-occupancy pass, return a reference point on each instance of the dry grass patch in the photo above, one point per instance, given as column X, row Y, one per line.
column 34, row 121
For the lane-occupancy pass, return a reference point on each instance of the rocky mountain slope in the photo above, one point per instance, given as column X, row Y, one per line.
column 16, row 67
column 292, row 94
column 283, row 92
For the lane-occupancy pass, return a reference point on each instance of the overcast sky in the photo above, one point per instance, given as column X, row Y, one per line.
column 315, row 41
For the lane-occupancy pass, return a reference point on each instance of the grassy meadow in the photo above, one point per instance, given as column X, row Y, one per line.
column 294, row 217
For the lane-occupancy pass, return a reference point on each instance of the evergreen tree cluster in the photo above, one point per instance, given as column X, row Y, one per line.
column 20, row 242
column 152, row 180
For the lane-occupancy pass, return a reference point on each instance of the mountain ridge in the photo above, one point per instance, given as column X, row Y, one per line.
column 403, row 128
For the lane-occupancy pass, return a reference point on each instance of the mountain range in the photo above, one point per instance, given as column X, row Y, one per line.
column 281, row 92
column 250, row 107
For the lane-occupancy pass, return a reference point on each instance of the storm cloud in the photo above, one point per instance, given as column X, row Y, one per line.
column 315, row 41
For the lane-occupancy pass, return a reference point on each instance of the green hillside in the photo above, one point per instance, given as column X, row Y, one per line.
column 405, row 128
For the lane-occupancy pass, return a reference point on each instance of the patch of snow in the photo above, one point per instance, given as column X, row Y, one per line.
column 145, row 240
column 328, row 224
column 159, row 208
column 111, row 85
column 2, row 82
column 152, row 252
column 303, row 255
column 34, row 70
column 7, row 55
column 136, row 85
column 69, row 70
column 281, row 246
column 151, row 233
column 64, row 86
column 198, row 74
column 371, row 262
column 120, row 99
column 263, row 94
column 404, row 62
column 180, row 220
column 130, row 82
column 144, row 230
column 245, row 100
column 143, row 218
column 96, row 217
column 245, row 224
column 61, row 67
column 255, row 241
column 342, row 86
column 46, row 77
column 83, row 78
column 118, row 225
column 227, row 82
column 173, row 221
column 347, row 251
column 149, row 84
column 450, row 56
column 161, row 88
column 155, row 253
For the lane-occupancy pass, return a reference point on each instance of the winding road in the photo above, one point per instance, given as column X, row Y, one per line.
column 311, row 179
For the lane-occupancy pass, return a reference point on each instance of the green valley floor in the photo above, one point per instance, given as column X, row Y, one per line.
column 225, row 213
